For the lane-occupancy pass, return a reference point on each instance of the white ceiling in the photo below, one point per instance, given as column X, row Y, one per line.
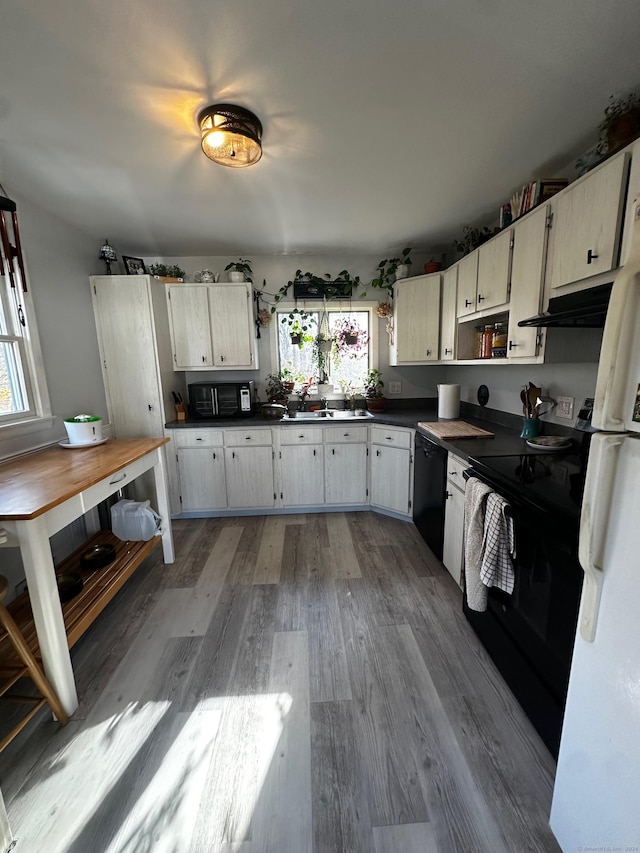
column 385, row 123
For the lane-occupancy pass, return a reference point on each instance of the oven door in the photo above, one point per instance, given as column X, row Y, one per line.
column 530, row 633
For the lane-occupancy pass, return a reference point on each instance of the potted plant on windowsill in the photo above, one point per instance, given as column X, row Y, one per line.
column 373, row 393
column 240, row 270
column 276, row 389
column 621, row 123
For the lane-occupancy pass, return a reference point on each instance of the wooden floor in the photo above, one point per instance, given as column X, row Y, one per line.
column 291, row 684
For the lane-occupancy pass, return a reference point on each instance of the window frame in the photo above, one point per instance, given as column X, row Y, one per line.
column 334, row 306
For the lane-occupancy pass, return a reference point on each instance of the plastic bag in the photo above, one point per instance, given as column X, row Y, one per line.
column 134, row 520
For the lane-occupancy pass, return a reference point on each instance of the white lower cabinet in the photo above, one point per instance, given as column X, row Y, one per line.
column 249, row 473
column 302, row 475
column 391, row 468
column 453, row 547
column 202, row 478
column 345, row 473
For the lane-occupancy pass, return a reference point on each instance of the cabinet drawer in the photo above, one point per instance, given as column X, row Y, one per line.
column 246, row 437
column 455, row 468
column 342, row 435
column 391, row 437
column 197, row 437
column 118, row 480
column 310, row 435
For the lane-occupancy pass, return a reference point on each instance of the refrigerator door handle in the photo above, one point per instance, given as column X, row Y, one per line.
column 594, row 518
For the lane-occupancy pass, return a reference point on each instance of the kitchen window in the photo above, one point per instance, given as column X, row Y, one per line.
column 346, row 363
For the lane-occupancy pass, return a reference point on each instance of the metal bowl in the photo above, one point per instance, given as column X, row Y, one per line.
column 97, row 556
column 273, row 410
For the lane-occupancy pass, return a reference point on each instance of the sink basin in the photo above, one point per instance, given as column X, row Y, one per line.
column 329, row 415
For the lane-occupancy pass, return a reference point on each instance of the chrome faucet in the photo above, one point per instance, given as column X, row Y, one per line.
column 323, row 402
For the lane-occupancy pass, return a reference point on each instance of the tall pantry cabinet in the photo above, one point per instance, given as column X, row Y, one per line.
column 135, row 353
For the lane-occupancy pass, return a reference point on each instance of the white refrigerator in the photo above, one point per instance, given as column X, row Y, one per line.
column 596, row 798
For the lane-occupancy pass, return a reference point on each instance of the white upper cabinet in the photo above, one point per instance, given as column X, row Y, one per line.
column 416, row 320
column 494, row 271
column 212, row 326
column 449, row 325
column 467, row 284
column 527, row 279
column 585, row 232
column 190, row 326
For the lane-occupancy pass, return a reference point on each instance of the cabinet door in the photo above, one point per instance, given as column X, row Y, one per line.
column 202, row 480
column 494, row 269
column 190, row 328
column 249, row 473
column 449, row 325
column 527, row 279
column 452, row 550
column 232, row 328
column 467, row 284
column 390, row 478
column 345, row 473
column 302, row 475
column 586, row 224
column 127, row 342
column 417, row 319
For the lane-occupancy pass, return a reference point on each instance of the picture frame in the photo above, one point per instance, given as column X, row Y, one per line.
column 134, row 266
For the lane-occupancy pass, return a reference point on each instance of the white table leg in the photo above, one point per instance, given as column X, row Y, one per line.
column 159, row 473
column 47, row 610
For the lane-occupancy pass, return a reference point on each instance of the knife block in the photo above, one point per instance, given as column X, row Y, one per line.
column 181, row 411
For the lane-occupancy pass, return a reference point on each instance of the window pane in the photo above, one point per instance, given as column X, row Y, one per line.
column 298, row 359
column 351, row 364
column 12, row 390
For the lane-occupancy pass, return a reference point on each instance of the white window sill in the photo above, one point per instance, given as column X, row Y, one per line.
column 28, row 425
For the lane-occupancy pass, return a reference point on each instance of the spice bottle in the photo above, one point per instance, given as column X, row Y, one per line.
column 499, row 344
column 477, row 342
column 487, row 342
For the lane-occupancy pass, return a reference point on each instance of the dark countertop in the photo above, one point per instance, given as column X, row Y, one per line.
column 506, row 439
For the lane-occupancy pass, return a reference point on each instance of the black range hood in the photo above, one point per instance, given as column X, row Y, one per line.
column 586, row 309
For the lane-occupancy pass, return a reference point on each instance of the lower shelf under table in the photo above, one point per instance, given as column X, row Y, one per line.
column 99, row 587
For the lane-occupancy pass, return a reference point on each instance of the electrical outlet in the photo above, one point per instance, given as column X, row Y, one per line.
column 395, row 387
column 565, row 407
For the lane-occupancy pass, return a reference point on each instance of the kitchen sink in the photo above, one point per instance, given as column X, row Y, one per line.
column 329, row 415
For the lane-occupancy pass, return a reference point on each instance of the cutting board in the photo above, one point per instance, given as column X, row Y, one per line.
column 450, row 430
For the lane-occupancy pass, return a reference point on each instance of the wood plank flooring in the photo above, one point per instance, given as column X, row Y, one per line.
column 293, row 684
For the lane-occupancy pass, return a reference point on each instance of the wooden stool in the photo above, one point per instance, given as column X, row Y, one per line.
column 27, row 666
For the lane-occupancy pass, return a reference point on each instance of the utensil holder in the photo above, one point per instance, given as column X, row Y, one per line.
column 181, row 411
column 530, row 428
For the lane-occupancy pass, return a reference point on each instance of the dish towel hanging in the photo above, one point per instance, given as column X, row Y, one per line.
column 498, row 548
column 475, row 500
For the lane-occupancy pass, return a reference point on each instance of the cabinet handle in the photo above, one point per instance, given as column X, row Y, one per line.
column 468, row 303
column 480, row 298
column 346, row 435
column 198, row 439
column 591, row 256
column 204, row 359
column 377, row 453
column 512, row 345
column 150, row 407
column 447, row 495
column 333, row 451
column 301, row 436
column 388, row 438
column 314, row 451
column 118, row 479
column 453, row 473
column 214, row 455
column 428, row 352
column 448, row 351
column 247, row 438
column 221, row 358
column 233, row 454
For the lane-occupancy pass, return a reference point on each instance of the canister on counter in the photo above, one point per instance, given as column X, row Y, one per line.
column 487, row 342
column 499, row 343
column 477, row 342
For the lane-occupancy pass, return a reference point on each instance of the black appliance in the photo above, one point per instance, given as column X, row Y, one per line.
column 429, row 491
column 530, row 634
column 586, row 309
column 208, row 400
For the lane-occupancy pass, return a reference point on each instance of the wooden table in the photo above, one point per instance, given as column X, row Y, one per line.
column 44, row 491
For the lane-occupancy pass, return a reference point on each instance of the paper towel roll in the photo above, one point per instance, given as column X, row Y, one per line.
column 448, row 401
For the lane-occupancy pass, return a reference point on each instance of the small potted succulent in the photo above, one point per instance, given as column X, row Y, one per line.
column 167, row 273
column 240, row 270
column 373, row 393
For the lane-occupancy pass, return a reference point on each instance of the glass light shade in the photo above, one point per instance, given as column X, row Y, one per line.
column 107, row 252
column 231, row 135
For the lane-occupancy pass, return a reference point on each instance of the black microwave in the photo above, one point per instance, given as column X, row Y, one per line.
column 209, row 400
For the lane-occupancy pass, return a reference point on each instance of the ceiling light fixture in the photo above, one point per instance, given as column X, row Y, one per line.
column 231, row 135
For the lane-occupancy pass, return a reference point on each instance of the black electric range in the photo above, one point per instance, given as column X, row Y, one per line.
column 530, row 633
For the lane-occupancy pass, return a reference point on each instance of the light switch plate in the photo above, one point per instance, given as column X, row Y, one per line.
column 565, row 407
column 395, row 387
